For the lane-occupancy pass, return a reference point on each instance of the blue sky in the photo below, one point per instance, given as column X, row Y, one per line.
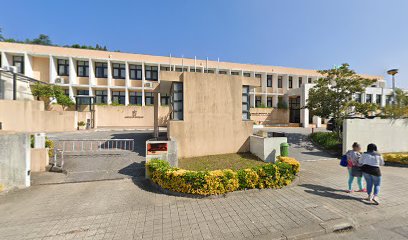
column 370, row 35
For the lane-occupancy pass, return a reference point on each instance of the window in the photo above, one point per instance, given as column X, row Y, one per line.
column 18, row 61
column 119, row 70
column 198, row 70
column 235, row 73
column 118, row 97
column 247, row 75
column 164, row 100
column 83, row 92
column 101, row 70
column 258, row 101
column 135, row 98
column 309, row 80
column 167, row 69
column 83, row 68
column 135, row 72
column 177, row 101
column 222, row 72
column 369, row 98
column 290, row 81
column 179, row 69
column 357, row 97
column 300, row 81
column 269, row 102
column 388, row 99
column 280, row 81
column 66, row 92
column 269, row 81
column 151, row 73
column 101, row 96
column 258, row 75
column 63, row 67
column 149, row 98
column 378, row 99
column 245, row 102
column 209, row 71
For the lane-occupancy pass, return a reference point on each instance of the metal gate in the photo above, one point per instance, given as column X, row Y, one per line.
column 69, row 146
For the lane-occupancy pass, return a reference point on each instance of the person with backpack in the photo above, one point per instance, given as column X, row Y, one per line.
column 370, row 162
column 353, row 168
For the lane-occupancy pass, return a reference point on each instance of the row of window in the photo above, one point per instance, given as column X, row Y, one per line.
column 101, row 70
column 280, row 81
column 119, row 97
column 258, row 101
column 369, row 98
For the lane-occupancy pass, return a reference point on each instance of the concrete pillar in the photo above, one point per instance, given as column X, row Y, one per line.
column 285, row 82
column 275, row 82
column 109, row 74
column 91, row 73
column 72, row 72
column 4, row 60
column 143, row 84
column 109, row 95
column 28, row 65
column 317, row 121
column 383, row 98
column 126, row 96
column 275, row 101
column 71, row 93
column 304, row 112
column 53, row 69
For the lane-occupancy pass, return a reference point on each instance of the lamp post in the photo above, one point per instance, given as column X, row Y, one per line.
column 393, row 72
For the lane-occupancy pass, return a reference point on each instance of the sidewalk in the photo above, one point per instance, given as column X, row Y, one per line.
column 126, row 209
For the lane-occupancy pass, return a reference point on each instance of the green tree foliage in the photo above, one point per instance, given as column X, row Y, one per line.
column 332, row 95
column 41, row 40
column 400, row 108
column 48, row 93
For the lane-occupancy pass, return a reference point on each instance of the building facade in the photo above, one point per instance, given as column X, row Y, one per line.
column 131, row 79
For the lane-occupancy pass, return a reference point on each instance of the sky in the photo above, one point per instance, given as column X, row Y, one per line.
column 370, row 35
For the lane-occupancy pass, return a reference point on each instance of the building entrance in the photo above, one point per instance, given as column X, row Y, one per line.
column 294, row 109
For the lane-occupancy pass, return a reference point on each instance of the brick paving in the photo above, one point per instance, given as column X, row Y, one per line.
column 126, row 209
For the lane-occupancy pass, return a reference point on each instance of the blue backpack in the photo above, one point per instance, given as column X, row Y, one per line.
column 343, row 161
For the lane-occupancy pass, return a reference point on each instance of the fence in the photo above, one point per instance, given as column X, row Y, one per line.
column 80, row 146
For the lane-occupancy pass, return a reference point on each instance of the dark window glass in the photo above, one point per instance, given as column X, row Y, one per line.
column 118, row 97
column 101, row 96
column 18, row 61
column 135, row 72
column 83, row 92
column 177, row 101
column 378, row 99
column 119, row 71
column 357, row 97
column 135, row 98
column 166, row 69
column 247, row 75
column 309, row 80
column 300, row 81
column 235, row 73
column 63, row 67
column 209, row 71
column 83, row 68
column 149, row 98
column 66, row 92
column 388, row 99
column 369, row 98
column 151, row 73
column 164, row 100
column 269, row 81
column 258, row 75
column 280, row 81
column 222, row 72
column 258, row 101
column 269, row 101
column 245, row 103
column 101, row 70
column 290, row 81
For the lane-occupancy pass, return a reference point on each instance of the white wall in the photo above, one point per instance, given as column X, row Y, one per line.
column 389, row 135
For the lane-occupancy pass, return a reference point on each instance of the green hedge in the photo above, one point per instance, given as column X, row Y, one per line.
column 220, row 181
column 327, row 140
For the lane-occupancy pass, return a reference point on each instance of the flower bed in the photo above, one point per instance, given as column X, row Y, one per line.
column 269, row 175
column 401, row 158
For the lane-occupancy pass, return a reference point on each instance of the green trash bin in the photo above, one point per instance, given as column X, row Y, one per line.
column 284, row 149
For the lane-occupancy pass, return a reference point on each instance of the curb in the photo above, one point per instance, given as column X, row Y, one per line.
column 159, row 189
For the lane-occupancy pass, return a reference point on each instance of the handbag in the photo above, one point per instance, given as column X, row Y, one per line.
column 343, row 161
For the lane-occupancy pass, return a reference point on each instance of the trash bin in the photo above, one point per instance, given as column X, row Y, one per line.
column 284, row 149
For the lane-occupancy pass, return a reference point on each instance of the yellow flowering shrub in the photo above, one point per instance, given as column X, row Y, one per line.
column 401, row 158
column 291, row 161
column 219, row 181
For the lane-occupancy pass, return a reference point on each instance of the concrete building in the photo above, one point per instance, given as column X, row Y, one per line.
column 131, row 79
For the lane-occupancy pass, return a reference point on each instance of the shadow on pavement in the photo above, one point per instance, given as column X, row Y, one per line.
column 329, row 192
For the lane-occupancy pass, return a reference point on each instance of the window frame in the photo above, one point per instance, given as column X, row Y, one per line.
column 269, row 80
column 151, row 73
column 137, row 69
column 180, row 90
column 103, row 67
column 136, row 98
column 120, row 68
column 20, row 69
column 269, row 100
column 290, row 82
column 300, row 79
column 64, row 65
column 84, row 65
column 246, row 103
column 103, row 94
column 150, row 96
column 280, row 81
column 118, row 95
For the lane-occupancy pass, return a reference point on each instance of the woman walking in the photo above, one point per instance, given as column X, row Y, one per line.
column 370, row 165
column 353, row 168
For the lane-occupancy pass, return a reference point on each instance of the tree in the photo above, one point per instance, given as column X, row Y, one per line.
column 41, row 40
column 64, row 101
column 332, row 96
column 400, row 108
column 1, row 35
column 48, row 93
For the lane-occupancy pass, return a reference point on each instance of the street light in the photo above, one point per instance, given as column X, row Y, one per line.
column 393, row 72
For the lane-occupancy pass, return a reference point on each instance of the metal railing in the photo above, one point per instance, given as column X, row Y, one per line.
column 63, row 146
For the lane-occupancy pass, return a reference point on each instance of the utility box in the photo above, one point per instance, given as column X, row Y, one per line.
column 39, row 140
column 163, row 149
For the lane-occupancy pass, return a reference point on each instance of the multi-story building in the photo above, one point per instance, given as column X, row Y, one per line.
column 130, row 79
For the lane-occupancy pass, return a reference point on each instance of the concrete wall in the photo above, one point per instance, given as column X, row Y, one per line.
column 212, row 116
column 14, row 160
column 39, row 159
column 29, row 116
column 265, row 148
column 6, row 88
column 269, row 116
column 389, row 135
column 129, row 116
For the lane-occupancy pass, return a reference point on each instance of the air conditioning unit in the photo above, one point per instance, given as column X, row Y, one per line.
column 59, row 80
column 148, row 85
column 12, row 69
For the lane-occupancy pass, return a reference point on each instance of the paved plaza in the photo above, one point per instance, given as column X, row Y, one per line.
column 130, row 208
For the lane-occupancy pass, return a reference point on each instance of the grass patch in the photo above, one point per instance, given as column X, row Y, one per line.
column 234, row 161
column 326, row 140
